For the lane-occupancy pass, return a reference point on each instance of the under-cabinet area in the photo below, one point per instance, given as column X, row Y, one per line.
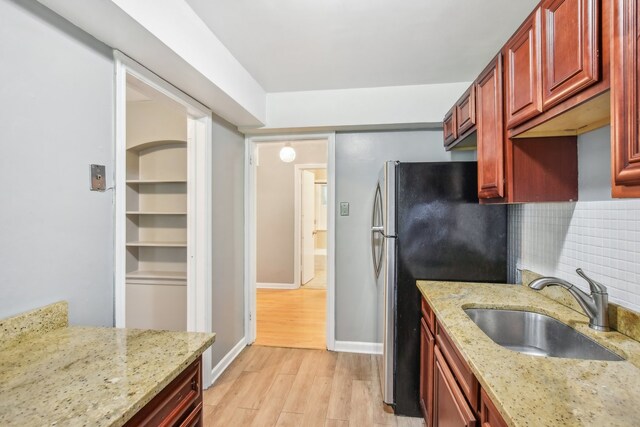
column 156, row 210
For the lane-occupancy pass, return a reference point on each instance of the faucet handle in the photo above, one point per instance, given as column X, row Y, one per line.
column 596, row 287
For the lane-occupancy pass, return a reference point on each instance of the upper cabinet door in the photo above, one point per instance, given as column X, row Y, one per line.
column 490, row 131
column 570, row 61
column 466, row 111
column 450, row 128
column 625, row 98
column 523, row 69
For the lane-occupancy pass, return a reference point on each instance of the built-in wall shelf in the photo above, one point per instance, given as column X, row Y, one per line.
column 155, row 213
column 158, row 244
column 156, row 181
column 157, row 275
column 155, row 144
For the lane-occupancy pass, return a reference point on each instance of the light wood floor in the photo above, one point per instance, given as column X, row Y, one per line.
column 270, row 386
column 319, row 280
column 291, row 318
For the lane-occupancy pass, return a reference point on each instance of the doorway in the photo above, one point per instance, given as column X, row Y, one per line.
column 290, row 288
column 162, row 206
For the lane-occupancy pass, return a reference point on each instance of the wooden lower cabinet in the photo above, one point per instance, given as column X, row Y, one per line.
column 426, row 372
column 450, row 395
column 178, row 405
column 489, row 415
column 450, row 409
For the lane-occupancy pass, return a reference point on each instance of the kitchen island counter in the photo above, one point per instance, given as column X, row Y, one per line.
column 532, row 390
column 53, row 374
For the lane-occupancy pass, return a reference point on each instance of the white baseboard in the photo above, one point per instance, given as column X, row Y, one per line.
column 264, row 285
column 226, row 360
column 358, row 347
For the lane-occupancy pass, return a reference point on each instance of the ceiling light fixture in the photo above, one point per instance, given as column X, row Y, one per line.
column 287, row 153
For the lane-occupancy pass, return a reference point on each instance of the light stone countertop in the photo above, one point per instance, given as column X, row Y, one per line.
column 540, row 391
column 90, row 376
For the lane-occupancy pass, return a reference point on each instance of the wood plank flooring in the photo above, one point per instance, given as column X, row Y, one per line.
column 291, row 318
column 279, row 387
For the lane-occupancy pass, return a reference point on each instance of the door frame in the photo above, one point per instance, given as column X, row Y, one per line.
column 297, row 215
column 199, row 220
column 250, row 257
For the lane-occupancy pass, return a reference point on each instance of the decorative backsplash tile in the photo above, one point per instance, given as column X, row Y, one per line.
column 602, row 238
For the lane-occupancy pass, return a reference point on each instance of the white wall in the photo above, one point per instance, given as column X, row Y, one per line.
column 600, row 235
column 56, row 117
column 173, row 42
column 275, row 208
column 401, row 106
column 359, row 159
column 228, row 238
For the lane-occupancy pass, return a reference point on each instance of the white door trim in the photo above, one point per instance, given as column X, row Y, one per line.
column 250, row 229
column 297, row 216
column 199, row 220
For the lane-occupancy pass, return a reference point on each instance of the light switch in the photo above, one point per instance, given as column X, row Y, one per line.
column 97, row 178
column 344, row 208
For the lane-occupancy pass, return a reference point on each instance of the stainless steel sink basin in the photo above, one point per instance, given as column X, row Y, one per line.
column 537, row 335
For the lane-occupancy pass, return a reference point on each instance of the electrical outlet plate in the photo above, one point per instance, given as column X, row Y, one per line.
column 344, row 208
column 98, row 178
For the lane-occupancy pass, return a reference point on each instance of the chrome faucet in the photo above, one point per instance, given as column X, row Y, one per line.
column 596, row 305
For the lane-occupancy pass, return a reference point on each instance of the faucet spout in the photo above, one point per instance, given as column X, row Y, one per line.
column 595, row 305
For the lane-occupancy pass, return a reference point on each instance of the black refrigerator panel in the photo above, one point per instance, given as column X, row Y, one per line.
column 443, row 233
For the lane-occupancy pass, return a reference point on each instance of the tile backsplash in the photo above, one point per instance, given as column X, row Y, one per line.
column 602, row 238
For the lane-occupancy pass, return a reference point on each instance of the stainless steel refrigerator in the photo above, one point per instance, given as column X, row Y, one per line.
column 427, row 224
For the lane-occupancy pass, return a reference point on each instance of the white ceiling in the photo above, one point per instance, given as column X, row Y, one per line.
column 295, row 45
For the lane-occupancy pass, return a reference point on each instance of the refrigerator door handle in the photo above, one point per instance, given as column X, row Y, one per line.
column 377, row 227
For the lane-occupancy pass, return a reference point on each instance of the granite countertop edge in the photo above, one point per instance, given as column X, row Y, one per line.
column 153, row 392
column 91, row 375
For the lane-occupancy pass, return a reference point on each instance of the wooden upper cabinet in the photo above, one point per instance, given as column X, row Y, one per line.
column 625, row 96
column 466, row 111
column 570, row 32
column 490, row 128
column 450, row 128
column 523, row 69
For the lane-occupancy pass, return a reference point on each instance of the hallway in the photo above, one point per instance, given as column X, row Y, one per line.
column 291, row 318
column 269, row 386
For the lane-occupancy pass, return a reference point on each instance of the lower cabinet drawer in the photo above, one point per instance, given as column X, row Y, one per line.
column 177, row 404
column 450, row 409
column 468, row 382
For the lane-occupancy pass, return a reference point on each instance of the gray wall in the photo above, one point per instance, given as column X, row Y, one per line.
column 56, row 117
column 594, row 165
column 275, row 208
column 228, row 238
column 359, row 159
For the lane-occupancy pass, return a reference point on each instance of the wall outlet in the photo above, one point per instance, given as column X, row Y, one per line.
column 98, row 178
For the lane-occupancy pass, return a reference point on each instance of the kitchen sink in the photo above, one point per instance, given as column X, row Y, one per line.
column 537, row 335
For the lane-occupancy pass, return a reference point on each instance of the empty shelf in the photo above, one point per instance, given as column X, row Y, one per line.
column 157, row 275
column 159, row 244
column 156, row 181
column 155, row 213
